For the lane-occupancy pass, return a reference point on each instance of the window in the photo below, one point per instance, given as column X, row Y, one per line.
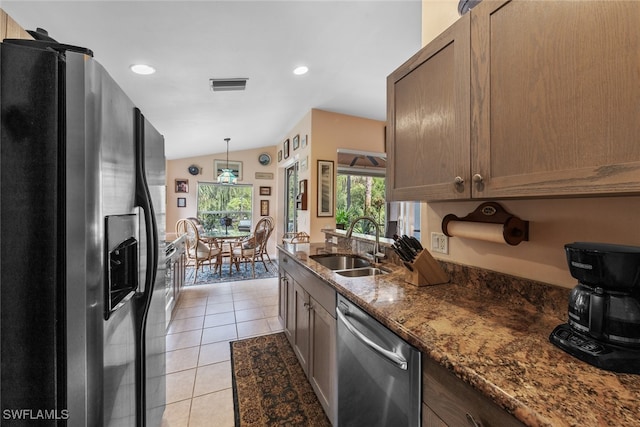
column 359, row 195
column 218, row 201
column 360, row 190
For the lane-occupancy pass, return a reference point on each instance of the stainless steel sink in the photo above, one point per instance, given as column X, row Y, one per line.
column 340, row 261
column 361, row 272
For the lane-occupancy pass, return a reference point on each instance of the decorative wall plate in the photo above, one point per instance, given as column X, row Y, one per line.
column 194, row 170
column 264, row 159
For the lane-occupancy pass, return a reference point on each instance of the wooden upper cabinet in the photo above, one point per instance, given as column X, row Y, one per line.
column 428, row 114
column 555, row 98
column 546, row 104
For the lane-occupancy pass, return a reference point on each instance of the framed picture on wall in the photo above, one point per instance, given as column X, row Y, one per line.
column 182, row 202
column 264, row 208
column 235, row 166
column 296, row 142
column 182, row 185
column 265, row 191
column 279, row 155
column 325, row 188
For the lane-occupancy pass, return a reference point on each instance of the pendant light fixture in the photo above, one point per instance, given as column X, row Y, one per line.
column 227, row 176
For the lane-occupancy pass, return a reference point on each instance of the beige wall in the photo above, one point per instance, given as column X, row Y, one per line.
column 177, row 169
column 437, row 16
column 325, row 133
column 329, row 131
column 552, row 222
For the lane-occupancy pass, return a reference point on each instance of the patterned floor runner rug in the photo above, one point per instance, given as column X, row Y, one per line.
column 270, row 387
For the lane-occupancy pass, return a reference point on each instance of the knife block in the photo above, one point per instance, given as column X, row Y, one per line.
column 426, row 271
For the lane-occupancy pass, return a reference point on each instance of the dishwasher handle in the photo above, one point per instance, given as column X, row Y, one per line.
column 394, row 358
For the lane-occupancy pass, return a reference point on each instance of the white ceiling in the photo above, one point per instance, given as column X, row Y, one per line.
column 350, row 46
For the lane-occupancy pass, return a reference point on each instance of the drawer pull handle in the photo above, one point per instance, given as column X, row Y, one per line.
column 472, row 421
column 458, row 180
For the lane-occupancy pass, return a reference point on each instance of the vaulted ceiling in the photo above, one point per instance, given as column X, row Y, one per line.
column 350, row 46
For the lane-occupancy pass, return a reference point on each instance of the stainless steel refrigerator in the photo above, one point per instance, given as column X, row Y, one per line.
column 82, row 180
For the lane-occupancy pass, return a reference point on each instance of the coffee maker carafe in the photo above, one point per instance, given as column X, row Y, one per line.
column 603, row 328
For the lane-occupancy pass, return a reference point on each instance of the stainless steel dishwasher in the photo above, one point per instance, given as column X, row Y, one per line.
column 379, row 374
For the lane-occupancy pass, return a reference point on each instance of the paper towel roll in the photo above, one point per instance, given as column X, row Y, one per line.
column 477, row 230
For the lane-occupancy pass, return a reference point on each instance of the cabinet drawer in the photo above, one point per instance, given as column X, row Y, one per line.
column 457, row 403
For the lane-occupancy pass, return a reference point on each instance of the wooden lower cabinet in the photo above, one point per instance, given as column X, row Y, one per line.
column 176, row 265
column 285, row 303
column 301, row 334
column 307, row 312
column 430, row 418
column 449, row 401
column 322, row 356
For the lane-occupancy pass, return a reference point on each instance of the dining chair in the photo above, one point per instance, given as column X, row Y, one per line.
column 199, row 251
column 254, row 247
column 211, row 241
column 295, row 237
column 272, row 227
column 197, row 222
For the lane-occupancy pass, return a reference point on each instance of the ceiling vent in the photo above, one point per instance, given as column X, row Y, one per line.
column 219, row 85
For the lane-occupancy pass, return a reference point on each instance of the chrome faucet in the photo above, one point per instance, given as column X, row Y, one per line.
column 377, row 255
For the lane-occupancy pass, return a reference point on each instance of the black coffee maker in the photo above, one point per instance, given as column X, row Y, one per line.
column 604, row 308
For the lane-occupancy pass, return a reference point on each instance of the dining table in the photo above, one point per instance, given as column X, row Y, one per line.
column 225, row 240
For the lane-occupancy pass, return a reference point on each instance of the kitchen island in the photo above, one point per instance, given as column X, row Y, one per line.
column 491, row 331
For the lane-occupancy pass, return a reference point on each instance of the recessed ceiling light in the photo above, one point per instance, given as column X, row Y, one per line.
column 300, row 70
column 142, row 69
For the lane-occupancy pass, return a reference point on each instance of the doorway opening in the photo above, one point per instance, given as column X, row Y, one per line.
column 291, row 191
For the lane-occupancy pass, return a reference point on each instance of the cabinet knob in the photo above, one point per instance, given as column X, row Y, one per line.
column 477, row 178
column 459, row 180
column 307, row 305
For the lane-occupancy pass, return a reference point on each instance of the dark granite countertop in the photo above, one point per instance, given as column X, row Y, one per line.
column 492, row 331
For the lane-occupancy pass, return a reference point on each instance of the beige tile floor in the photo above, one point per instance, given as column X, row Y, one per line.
column 205, row 320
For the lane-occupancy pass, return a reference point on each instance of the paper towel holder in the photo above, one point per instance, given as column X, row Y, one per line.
column 514, row 231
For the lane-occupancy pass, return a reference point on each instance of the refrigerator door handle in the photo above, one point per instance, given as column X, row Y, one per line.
column 143, row 300
column 143, row 200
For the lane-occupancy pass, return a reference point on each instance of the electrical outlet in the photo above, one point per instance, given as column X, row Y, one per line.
column 440, row 243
